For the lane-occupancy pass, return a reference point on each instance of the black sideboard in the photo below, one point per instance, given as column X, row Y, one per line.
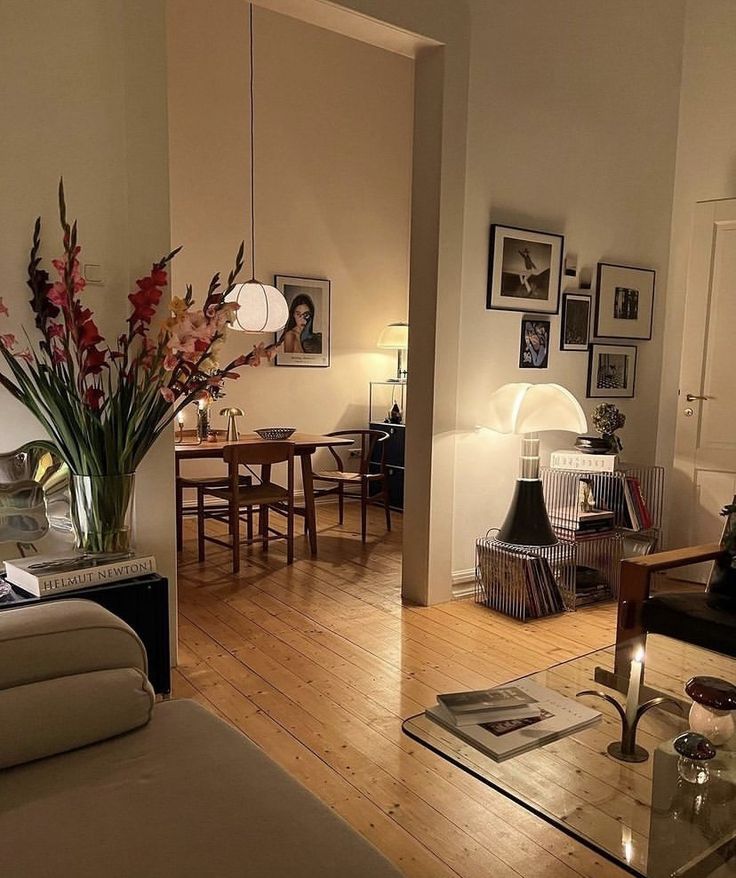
column 142, row 602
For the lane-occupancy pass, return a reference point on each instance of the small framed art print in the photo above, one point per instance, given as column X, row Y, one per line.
column 524, row 270
column 534, row 343
column 575, row 328
column 611, row 371
column 305, row 340
column 625, row 302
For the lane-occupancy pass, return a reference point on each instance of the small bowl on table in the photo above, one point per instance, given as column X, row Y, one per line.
column 276, row 434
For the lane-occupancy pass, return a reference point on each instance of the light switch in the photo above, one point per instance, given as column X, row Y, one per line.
column 93, row 273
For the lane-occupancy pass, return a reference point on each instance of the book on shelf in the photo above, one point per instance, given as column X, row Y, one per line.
column 470, row 708
column 584, row 463
column 596, row 522
column 41, row 575
column 505, row 738
column 637, row 516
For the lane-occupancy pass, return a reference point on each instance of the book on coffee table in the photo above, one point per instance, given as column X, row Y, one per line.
column 503, row 702
column 40, row 575
column 505, row 738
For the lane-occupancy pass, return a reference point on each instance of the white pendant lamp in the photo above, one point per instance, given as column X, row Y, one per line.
column 262, row 308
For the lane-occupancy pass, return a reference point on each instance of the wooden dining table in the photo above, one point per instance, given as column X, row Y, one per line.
column 305, row 444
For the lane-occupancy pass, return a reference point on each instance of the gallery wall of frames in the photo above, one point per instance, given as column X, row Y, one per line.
column 527, row 270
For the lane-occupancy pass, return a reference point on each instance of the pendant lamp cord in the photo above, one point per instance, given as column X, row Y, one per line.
column 252, row 151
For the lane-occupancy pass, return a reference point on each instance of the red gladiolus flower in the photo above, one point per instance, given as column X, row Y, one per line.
column 59, row 355
column 55, row 330
column 94, row 361
column 93, row 397
column 145, row 300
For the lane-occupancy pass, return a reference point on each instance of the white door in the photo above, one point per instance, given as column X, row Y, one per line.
column 704, row 477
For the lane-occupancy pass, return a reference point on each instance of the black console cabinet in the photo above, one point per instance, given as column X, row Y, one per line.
column 394, row 457
column 142, row 602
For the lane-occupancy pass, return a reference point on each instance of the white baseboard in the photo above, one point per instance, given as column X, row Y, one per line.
column 463, row 583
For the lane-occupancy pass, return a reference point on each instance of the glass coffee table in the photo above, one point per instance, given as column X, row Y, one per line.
column 642, row 816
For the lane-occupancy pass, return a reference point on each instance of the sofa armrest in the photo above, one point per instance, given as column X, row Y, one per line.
column 60, row 638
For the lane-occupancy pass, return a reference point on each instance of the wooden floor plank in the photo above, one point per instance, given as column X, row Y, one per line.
column 319, row 663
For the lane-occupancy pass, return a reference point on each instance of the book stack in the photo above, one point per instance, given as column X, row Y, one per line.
column 591, row 586
column 543, row 596
column 637, row 515
column 510, row 720
column 583, row 463
column 586, row 525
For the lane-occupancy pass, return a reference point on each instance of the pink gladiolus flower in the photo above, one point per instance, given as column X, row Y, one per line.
column 7, row 340
column 3, row 309
column 58, row 296
column 168, row 394
column 26, row 355
column 171, row 362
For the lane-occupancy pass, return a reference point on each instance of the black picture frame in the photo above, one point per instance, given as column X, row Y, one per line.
column 621, row 360
column 319, row 291
column 624, row 304
column 512, row 269
column 572, row 323
column 534, row 342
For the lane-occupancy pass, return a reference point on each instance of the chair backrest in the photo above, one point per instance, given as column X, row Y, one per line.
column 259, row 454
column 368, row 440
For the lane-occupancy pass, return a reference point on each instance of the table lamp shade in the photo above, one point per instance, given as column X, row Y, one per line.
column 529, row 409
column 394, row 337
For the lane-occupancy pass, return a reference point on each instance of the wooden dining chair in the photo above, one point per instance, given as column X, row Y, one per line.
column 184, row 483
column 239, row 497
column 371, row 477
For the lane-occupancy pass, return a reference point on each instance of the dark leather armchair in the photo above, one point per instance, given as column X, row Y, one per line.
column 706, row 619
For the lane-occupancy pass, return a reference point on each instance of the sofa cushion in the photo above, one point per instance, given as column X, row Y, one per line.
column 53, row 716
column 185, row 796
column 43, row 641
column 703, row 619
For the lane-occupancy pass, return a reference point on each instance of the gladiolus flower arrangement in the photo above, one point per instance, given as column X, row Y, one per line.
column 105, row 406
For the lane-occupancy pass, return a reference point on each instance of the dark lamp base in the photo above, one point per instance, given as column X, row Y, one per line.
column 527, row 522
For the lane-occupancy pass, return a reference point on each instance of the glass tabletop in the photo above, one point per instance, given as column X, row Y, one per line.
column 644, row 816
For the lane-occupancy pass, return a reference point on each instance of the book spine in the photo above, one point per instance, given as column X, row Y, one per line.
column 55, row 582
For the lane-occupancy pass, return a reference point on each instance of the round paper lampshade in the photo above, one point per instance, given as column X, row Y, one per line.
column 262, row 308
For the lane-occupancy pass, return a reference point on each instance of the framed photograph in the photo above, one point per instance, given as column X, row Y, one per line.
column 625, row 302
column 612, row 371
column 575, row 328
column 305, row 340
column 534, row 343
column 524, row 270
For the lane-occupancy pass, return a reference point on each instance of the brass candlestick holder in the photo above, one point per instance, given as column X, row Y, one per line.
column 627, row 750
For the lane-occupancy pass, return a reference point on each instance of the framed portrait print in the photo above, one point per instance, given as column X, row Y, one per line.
column 612, row 371
column 305, row 340
column 524, row 270
column 575, row 328
column 625, row 302
column 534, row 343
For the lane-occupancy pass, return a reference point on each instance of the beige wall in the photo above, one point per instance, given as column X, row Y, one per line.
column 84, row 97
column 333, row 176
column 706, row 170
column 572, row 128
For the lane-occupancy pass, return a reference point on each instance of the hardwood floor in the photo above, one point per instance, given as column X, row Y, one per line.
column 319, row 663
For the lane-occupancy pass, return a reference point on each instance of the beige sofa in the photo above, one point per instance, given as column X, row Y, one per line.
column 97, row 781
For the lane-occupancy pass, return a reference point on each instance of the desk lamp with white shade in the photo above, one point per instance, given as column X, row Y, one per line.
column 528, row 410
column 395, row 337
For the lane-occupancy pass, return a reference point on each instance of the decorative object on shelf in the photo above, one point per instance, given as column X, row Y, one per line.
column 534, row 344
column 528, row 409
column 612, row 371
column 305, row 339
column 627, row 750
column 104, row 405
column 524, row 270
column 593, row 445
column 606, row 420
column 203, row 419
column 395, row 337
column 576, row 314
column 262, row 307
column 395, row 416
column 231, row 434
column 624, row 306
column 695, row 752
column 712, row 711
column 277, row 434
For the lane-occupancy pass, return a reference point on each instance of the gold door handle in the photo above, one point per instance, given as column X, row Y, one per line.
column 691, row 397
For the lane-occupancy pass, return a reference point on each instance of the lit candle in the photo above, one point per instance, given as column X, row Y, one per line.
column 632, row 696
column 180, row 419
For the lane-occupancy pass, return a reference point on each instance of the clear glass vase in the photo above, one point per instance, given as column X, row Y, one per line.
column 102, row 509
